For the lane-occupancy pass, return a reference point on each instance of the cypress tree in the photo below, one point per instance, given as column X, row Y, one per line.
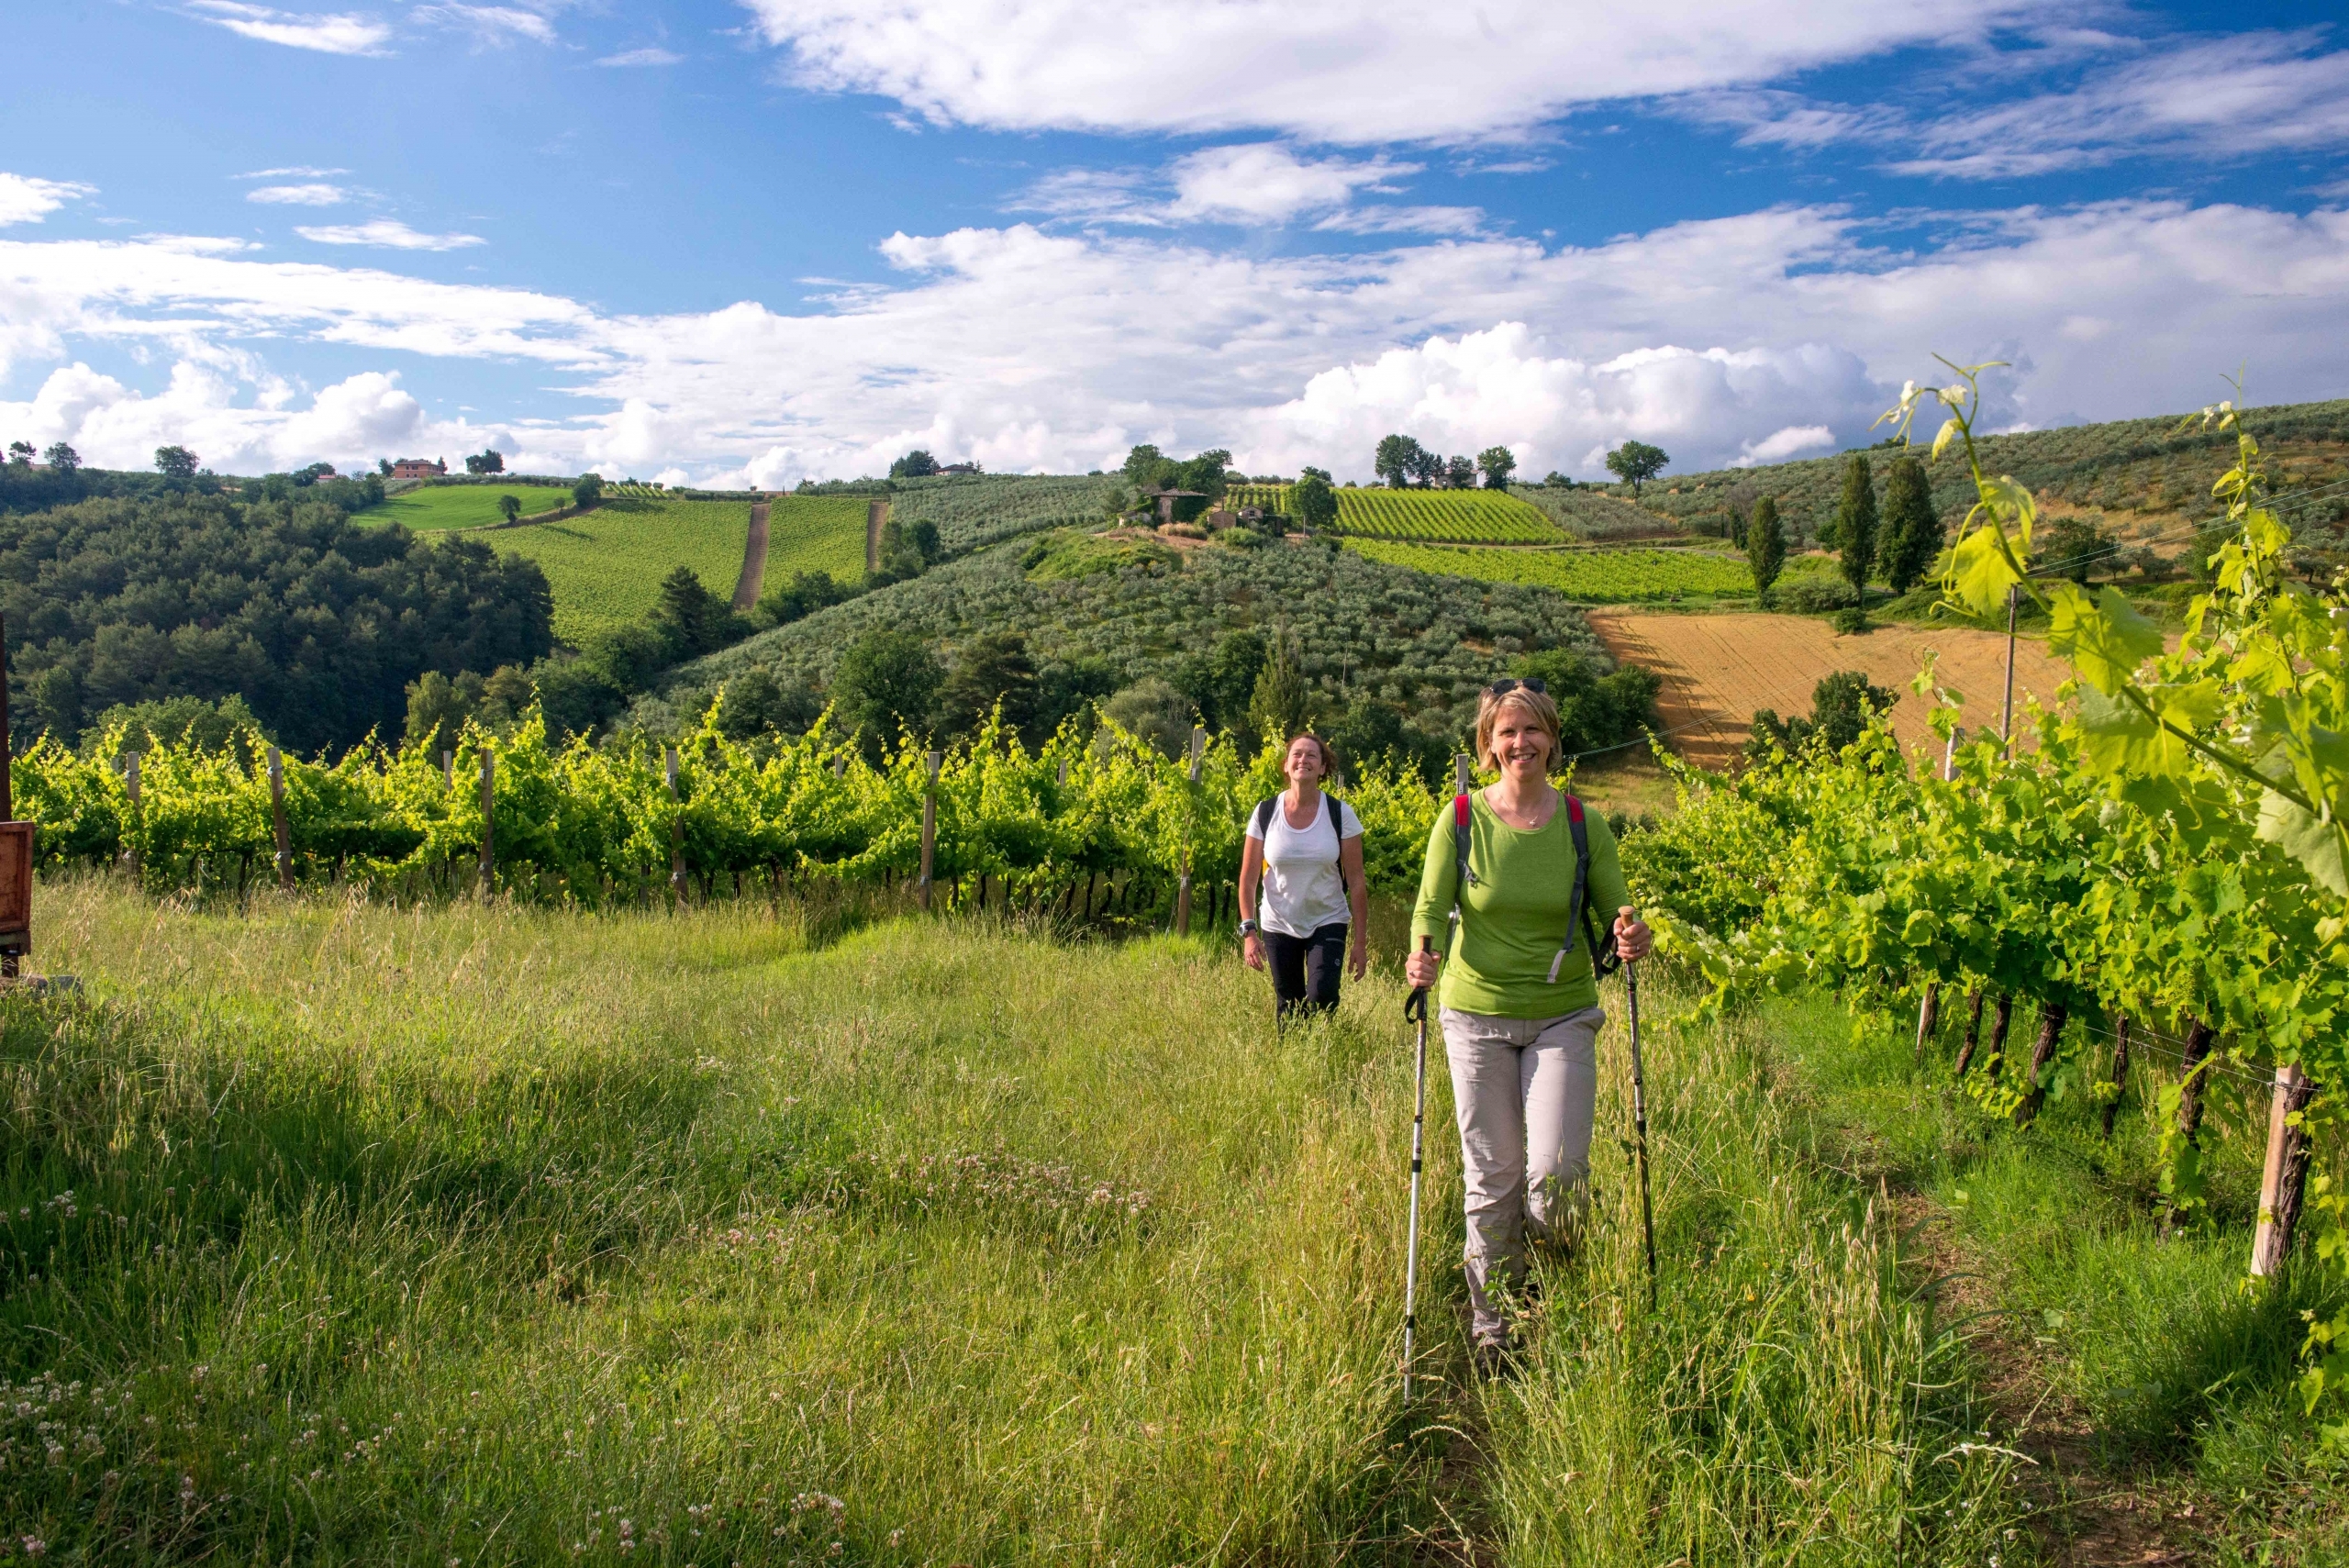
column 1912, row 533
column 1766, row 544
column 1855, row 523
column 1281, row 701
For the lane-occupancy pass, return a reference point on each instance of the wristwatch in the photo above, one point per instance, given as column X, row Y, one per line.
column 1247, row 929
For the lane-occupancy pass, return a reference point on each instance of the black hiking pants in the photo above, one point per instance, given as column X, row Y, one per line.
column 1305, row 969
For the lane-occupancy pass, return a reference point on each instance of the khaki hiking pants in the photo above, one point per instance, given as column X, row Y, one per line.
column 1523, row 1089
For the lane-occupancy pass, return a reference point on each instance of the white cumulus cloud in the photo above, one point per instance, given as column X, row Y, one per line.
column 341, row 33
column 389, row 233
column 1339, row 70
column 297, row 196
column 1719, row 340
column 25, row 199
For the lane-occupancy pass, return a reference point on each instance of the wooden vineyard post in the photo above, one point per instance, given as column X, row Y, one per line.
column 488, row 821
column 2120, row 1071
column 1183, row 885
column 2284, row 1179
column 1064, row 779
column 15, row 845
column 278, row 830
column 2193, row 1059
column 928, row 827
column 448, row 770
column 1929, row 1009
column 676, row 831
column 2042, row 1051
column 131, row 793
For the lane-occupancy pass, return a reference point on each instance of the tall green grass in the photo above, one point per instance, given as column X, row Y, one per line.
column 504, row 1236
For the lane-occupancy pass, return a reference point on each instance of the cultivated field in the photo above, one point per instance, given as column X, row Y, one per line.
column 1717, row 668
column 431, row 508
column 1589, row 513
column 815, row 533
column 1587, row 576
column 1461, row 517
column 606, row 565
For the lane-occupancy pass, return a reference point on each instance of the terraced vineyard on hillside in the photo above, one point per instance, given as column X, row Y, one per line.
column 1459, row 517
column 971, row 510
column 815, row 533
column 1587, row 576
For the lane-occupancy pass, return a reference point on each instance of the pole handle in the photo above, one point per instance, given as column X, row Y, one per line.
column 1415, row 1006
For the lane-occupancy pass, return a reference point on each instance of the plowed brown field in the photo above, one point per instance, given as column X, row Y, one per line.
column 1717, row 668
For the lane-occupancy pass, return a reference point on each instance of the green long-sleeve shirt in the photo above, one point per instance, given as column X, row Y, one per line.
column 1513, row 917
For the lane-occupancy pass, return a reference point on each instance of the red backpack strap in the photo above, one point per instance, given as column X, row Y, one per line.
column 1462, row 875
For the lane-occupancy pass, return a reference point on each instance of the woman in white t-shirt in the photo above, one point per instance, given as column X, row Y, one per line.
column 1304, row 850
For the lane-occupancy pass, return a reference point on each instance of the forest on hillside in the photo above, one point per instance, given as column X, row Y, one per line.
column 317, row 624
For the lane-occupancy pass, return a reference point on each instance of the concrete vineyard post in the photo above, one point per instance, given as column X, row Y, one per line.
column 676, row 831
column 1463, row 772
column 2284, row 1179
column 130, row 828
column 448, row 770
column 283, row 833
column 1064, row 780
column 929, row 827
column 1183, row 885
column 488, row 821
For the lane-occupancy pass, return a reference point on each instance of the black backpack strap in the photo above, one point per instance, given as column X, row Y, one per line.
column 1337, row 809
column 1265, row 815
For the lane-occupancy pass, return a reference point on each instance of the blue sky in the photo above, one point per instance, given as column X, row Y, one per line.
column 753, row 241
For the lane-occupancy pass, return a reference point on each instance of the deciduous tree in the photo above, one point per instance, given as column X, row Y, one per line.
column 1497, row 463
column 1636, row 462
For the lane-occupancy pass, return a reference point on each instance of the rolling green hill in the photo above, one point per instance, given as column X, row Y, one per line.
column 2148, row 467
column 432, row 508
column 975, row 509
column 1364, row 627
column 606, row 565
column 1451, row 516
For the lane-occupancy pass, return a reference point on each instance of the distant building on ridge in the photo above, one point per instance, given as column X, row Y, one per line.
column 416, row 468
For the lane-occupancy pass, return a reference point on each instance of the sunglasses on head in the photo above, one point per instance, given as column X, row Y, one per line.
column 1535, row 684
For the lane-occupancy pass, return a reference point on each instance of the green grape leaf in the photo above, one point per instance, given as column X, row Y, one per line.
column 2316, row 844
column 2105, row 638
column 1979, row 575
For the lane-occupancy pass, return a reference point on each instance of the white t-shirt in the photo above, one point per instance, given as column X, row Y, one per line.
column 1302, row 889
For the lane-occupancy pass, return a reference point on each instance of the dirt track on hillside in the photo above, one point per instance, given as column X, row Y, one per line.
column 755, row 562
column 1717, row 668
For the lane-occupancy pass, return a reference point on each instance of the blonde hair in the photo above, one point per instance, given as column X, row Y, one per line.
column 1535, row 705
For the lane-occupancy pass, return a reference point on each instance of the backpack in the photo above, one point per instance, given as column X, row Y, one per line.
column 1337, row 827
column 1604, row 961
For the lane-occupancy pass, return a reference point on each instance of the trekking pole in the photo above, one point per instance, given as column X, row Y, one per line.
column 1416, row 1011
column 1639, row 1120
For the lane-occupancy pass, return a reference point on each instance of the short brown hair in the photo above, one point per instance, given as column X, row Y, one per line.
column 1537, row 707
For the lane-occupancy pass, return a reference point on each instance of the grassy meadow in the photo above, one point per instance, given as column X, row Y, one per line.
column 433, row 508
column 341, row 1233
column 606, row 565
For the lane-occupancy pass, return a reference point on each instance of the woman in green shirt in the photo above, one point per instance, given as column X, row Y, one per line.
column 1520, row 1013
